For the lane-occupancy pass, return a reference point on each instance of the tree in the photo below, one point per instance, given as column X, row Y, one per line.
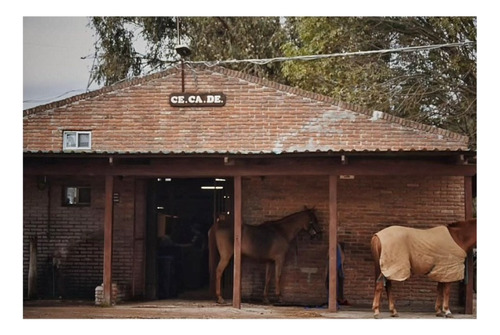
column 436, row 87
column 120, row 39
column 226, row 38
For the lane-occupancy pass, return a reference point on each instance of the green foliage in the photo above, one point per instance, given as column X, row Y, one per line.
column 349, row 79
column 210, row 39
column 436, row 87
column 224, row 38
column 117, row 43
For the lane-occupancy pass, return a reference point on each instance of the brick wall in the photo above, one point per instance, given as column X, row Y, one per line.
column 366, row 205
column 271, row 198
column 369, row 204
column 73, row 238
column 124, row 261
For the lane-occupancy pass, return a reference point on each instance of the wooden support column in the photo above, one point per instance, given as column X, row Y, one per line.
column 108, row 239
column 469, row 214
column 332, row 245
column 237, row 244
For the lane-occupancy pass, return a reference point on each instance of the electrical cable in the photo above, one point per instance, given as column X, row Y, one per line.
column 53, row 98
column 265, row 61
column 341, row 54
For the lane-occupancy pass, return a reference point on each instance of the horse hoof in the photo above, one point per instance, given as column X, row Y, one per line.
column 221, row 301
column 376, row 316
column 266, row 301
column 448, row 315
column 395, row 315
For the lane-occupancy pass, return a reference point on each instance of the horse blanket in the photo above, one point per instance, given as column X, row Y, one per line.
column 432, row 252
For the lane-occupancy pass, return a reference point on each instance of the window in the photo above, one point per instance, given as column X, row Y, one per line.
column 74, row 140
column 76, row 196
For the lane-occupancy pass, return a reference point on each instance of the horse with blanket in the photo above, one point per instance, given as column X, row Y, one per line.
column 437, row 252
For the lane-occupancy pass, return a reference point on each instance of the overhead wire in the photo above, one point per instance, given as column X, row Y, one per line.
column 53, row 98
column 264, row 61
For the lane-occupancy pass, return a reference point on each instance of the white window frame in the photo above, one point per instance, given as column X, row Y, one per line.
column 76, row 134
column 71, row 196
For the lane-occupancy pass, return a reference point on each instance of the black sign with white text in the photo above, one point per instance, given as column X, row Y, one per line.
column 197, row 99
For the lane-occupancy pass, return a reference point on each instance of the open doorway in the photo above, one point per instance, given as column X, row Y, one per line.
column 180, row 213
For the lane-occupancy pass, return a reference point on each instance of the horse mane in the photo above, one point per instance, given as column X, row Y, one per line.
column 458, row 224
column 278, row 221
column 454, row 224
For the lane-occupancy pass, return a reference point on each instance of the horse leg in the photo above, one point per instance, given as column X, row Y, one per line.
column 439, row 299
column 277, row 276
column 379, row 277
column 446, row 300
column 266, row 283
column 223, row 262
column 379, row 285
column 390, row 297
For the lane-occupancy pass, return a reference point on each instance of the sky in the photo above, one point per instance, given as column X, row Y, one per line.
column 53, row 68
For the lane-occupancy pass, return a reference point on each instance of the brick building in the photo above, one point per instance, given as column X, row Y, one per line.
column 122, row 184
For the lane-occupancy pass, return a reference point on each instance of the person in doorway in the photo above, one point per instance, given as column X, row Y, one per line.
column 341, row 300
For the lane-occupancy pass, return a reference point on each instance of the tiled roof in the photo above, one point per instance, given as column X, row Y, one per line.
column 259, row 117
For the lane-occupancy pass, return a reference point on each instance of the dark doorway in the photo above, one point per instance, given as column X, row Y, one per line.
column 180, row 213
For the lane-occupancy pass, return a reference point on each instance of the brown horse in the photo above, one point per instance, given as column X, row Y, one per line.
column 437, row 252
column 268, row 241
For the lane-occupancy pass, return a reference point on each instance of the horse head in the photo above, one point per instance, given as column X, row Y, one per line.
column 464, row 233
column 313, row 227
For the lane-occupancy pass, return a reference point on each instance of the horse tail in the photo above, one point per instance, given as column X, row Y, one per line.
column 376, row 249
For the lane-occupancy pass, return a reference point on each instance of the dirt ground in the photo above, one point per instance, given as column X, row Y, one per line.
column 207, row 309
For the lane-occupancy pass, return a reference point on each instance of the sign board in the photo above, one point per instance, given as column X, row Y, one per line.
column 197, row 99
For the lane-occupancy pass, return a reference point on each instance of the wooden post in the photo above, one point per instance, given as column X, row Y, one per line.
column 469, row 288
column 108, row 240
column 237, row 244
column 332, row 246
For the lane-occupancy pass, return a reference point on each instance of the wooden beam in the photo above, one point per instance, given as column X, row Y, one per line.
column 469, row 214
column 237, row 243
column 108, row 240
column 215, row 167
column 332, row 245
